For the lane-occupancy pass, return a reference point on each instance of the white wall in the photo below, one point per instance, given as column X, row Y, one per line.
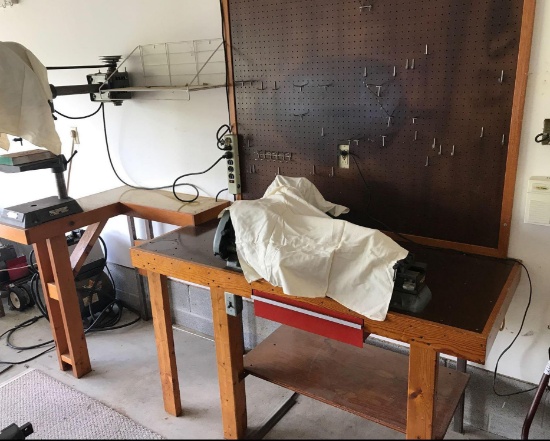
column 152, row 141
column 159, row 140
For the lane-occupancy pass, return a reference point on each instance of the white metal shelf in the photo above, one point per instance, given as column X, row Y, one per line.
column 157, row 62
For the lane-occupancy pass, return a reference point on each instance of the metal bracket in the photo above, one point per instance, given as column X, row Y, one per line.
column 233, row 304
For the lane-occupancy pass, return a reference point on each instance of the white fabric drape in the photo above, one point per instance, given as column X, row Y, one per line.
column 287, row 238
column 24, row 95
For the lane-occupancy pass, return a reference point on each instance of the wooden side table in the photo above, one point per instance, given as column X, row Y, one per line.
column 57, row 267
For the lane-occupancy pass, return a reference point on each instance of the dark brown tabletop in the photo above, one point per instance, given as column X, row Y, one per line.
column 464, row 287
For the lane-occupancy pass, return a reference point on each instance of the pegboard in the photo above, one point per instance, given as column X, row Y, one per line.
column 421, row 91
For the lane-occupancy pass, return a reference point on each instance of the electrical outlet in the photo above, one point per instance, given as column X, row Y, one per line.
column 74, row 135
column 343, row 156
column 233, row 172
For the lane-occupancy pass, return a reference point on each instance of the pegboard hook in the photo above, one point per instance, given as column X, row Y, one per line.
column 331, row 175
column 501, row 78
column 301, row 86
column 275, row 87
column 313, row 170
column 453, row 151
column 261, row 88
column 301, row 115
column 324, row 86
column 369, row 7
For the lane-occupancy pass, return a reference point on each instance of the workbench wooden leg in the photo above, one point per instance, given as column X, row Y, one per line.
column 164, row 337
column 228, row 334
column 423, row 369
column 62, row 302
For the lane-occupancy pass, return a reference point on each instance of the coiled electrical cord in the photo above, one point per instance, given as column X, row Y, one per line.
column 175, row 183
column 104, row 321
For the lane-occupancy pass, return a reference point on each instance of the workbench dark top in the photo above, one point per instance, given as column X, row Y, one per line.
column 465, row 287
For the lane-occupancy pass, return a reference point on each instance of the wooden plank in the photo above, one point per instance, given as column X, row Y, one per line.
column 14, row 234
column 421, row 395
column 228, row 335
column 54, row 311
column 164, row 338
column 52, row 291
column 85, row 245
column 73, row 222
column 370, row 382
column 516, row 120
column 68, row 303
column 439, row 243
column 229, row 63
column 446, row 339
column 66, row 359
column 230, row 72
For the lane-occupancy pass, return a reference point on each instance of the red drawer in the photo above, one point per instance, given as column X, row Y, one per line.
column 317, row 320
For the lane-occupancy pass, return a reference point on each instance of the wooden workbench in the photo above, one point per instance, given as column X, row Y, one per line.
column 470, row 297
column 57, row 267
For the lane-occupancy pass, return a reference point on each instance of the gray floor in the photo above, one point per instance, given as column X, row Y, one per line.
column 125, row 377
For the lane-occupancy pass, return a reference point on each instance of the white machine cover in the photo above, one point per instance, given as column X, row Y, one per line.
column 287, row 238
column 24, row 95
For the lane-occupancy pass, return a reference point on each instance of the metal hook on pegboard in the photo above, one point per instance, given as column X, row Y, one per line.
column 324, row 86
column 301, row 86
column 301, row 115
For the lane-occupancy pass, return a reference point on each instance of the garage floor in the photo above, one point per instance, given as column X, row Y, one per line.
column 125, row 377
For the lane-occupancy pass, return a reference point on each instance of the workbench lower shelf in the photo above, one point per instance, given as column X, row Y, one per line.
column 370, row 382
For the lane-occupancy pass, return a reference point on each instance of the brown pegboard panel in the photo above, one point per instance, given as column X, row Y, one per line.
column 402, row 82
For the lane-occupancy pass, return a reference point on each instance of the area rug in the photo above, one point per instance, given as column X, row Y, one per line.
column 57, row 411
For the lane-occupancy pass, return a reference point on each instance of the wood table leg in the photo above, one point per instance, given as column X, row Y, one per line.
column 164, row 337
column 423, row 370
column 61, row 300
column 228, row 334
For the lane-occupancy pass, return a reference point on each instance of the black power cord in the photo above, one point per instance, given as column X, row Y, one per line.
column 220, row 192
column 465, row 254
column 101, row 322
column 80, row 117
column 175, row 183
column 192, row 185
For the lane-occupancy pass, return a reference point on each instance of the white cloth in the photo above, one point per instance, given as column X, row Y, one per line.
column 287, row 239
column 24, row 95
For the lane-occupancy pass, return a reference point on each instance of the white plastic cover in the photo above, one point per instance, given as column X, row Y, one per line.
column 287, row 238
column 24, row 95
